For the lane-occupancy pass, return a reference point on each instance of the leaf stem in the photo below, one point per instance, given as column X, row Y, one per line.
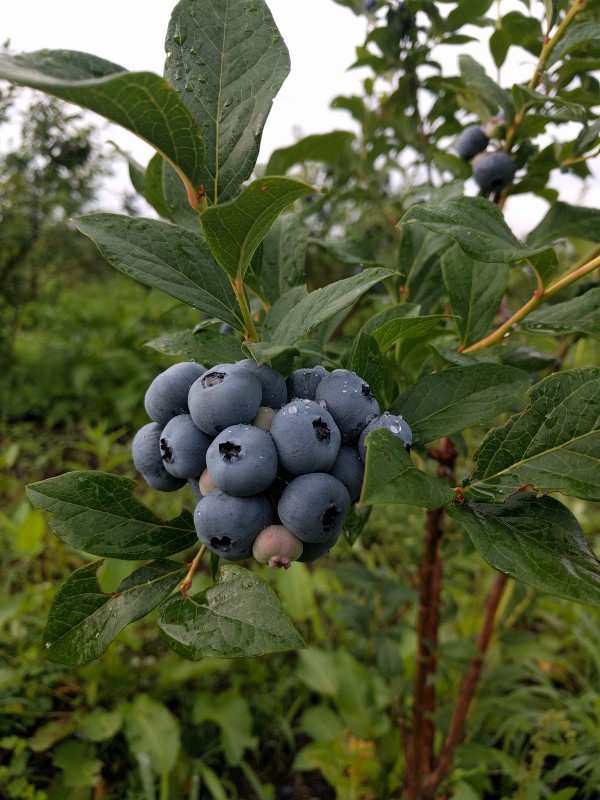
column 549, row 46
column 536, row 300
column 186, row 583
column 467, row 691
column 240, row 296
column 547, row 49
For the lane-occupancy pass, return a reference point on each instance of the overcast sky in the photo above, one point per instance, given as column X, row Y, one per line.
column 320, row 34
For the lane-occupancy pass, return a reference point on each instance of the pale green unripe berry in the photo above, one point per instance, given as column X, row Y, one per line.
column 206, row 483
column 277, row 547
column 264, row 418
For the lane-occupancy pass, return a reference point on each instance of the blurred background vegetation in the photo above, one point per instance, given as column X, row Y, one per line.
column 141, row 722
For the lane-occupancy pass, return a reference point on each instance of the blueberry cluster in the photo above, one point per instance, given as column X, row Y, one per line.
column 492, row 171
column 276, row 463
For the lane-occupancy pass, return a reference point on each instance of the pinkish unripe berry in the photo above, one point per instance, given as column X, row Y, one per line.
column 277, row 547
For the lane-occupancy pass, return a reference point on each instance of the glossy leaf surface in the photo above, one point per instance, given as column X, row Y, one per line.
column 83, row 620
column 237, row 616
column 96, row 512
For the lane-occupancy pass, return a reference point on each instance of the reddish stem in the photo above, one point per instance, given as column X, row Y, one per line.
column 466, row 693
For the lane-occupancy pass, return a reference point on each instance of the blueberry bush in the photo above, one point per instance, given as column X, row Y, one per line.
column 372, row 333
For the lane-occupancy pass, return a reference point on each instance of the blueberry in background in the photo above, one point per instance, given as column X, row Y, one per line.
column 472, row 140
column 183, row 447
column 228, row 525
column 273, row 383
column 306, row 437
column 224, row 395
column 242, row 460
column 349, row 400
column 167, row 395
column 302, row 383
column 494, row 171
column 394, row 423
column 349, row 468
column 147, row 459
column 314, row 506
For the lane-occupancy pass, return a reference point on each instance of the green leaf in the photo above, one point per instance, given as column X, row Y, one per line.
column 81, row 769
column 391, row 477
column 563, row 221
column 587, row 138
column 536, row 540
column 575, row 37
column 282, row 257
column 154, row 192
column 100, row 725
column 465, row 13
column 449, row 401
column 83, row 620
column 95, row 512
column 524, row 98
column 315, row 308
column 231, row 712
column 477, row 225
column 553, row 445
column 141, row 102
column 152, row 730
column 348, row 251
column 238, row 616
column 318, row 147
column 367, row 361
column 487, row 90
column 475, row 290
column 234, row 230
column 203, row 346
column 409, row 327
column 227, row 60
column 420, row 252
column 579, row 315
column 166, row 257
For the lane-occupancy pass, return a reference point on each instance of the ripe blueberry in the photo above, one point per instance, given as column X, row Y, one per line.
column 228, row 525
column 167, row 395
column 314, row 506
column 306, row 437
column 349, row 469
column 349, row 401
column 274, row 390
column 471, row 141
column 394, row 423
column 302, row 383
column 242, row 460
column 183, row 447
column 494, row 171
column 224, row 395
column 147, row 459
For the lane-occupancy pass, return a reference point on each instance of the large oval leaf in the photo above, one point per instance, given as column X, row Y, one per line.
column 234, row 230
column 535, row 540
column 227, row 60
column 391, row 477
column 167, row 257
column 97, row 513
column 141, row 102
column 237, row 616
column 553, row 445
column 454, row 399
column 83, row 620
